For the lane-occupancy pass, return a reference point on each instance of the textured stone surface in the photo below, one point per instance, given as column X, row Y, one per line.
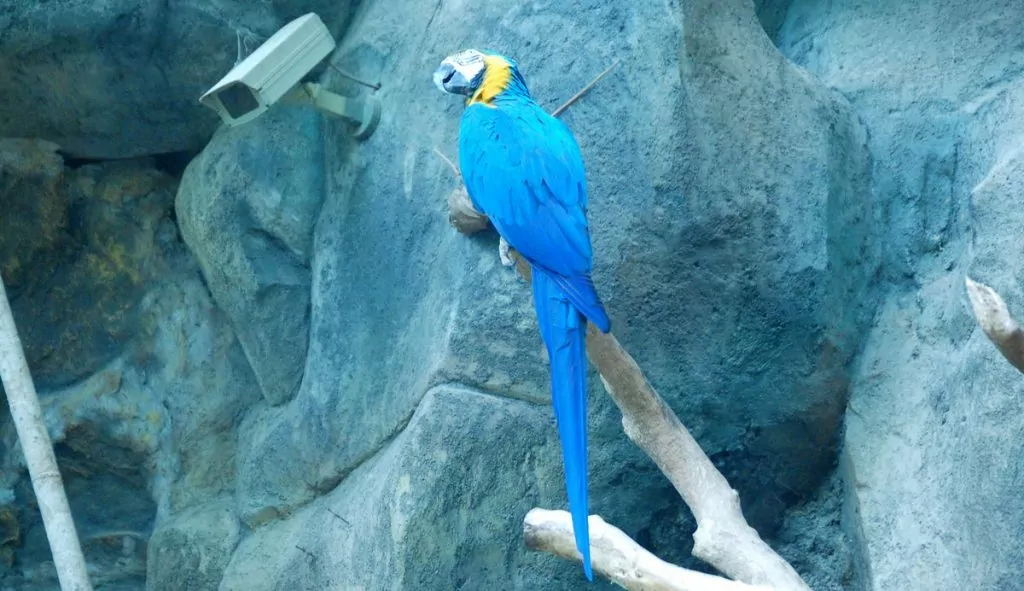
column 144, row 425
column 776, row 256
column 246, row 208
column 119, row 78
column 434, row 509
column 933, row 440
column 93, row 274
column 192, row 551
column 31, row 191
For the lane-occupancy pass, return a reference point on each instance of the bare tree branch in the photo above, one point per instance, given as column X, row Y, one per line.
column 723, row 539
column 39, row 457
column 616, row 556
column 462, row 215
column 995, row 320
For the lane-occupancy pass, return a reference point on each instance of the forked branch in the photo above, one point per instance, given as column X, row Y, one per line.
column 616, row 556
column 723, row 538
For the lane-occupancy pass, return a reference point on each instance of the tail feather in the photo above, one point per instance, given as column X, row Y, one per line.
column 564, row 331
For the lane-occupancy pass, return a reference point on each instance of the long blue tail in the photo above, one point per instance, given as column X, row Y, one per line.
column 564, row 330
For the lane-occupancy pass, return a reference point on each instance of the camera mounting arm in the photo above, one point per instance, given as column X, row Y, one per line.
column 362, row 112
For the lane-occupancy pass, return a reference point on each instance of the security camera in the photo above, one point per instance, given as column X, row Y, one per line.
column 274, row 73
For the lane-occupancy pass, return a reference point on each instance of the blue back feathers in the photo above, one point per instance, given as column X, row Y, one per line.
column 523, row 168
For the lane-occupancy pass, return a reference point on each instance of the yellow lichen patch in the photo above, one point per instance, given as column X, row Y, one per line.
column 126, row 186
column 12, row 265
column 114, row 262
column 10, row 533
column 10, row 536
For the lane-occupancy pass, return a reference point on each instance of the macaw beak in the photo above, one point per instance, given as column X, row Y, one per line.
column 448, row 79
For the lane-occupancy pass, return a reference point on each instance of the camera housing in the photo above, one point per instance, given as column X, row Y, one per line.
column 277, row 66
column 274, row 73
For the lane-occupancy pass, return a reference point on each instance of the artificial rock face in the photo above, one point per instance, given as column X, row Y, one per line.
column 933, row 446
column 140, row 377
column 743, row 290
column 288, row 370
column 246, row 208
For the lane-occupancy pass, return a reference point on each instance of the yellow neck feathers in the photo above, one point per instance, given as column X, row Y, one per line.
column 497, row 74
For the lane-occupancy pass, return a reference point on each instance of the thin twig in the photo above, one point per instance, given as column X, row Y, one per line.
column 584, row 90
column 353, row 78
column 455, row 169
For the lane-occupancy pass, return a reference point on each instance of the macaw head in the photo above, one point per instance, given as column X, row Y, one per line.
column 480, row 75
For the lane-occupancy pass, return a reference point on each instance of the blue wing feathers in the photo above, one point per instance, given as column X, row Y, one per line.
column 523, row 169
column 580, row 291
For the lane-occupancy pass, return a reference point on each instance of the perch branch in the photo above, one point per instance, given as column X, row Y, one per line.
column 462, row 215
column 616, row 556
column 723, row 538
column 996, row 322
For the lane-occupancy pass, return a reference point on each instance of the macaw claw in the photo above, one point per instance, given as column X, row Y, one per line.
column 505, row 253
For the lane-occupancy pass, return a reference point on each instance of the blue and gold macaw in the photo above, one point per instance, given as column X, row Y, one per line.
column 523, row 169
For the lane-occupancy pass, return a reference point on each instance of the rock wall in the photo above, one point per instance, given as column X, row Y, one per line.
column 141, row 378
column 281, row 368
column 933, row 441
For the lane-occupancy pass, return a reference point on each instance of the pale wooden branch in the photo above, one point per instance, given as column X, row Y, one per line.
column 996, row 322
column 39, row 457
column 723, row 538
column 462, row 215
column 616, row 556
column 449, row 162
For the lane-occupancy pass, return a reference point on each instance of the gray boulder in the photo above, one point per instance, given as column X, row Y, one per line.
column 434, row 508
column 246, row 207
column 192, row 550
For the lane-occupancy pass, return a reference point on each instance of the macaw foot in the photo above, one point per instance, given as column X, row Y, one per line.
column 505, row 252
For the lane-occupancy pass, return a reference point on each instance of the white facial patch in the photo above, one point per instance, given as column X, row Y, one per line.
column 468, row 64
